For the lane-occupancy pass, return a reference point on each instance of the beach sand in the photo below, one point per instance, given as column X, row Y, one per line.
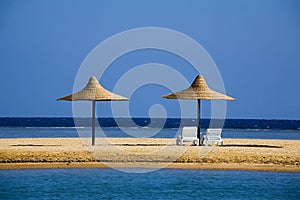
column 235, row 154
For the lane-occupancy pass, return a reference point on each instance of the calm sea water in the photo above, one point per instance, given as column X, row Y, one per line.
column 58, row 132
column 144, row 127
column 154, row 122
column 161, row 184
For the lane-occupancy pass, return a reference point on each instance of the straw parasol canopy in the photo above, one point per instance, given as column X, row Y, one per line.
column 197, row 91
column 93, row 91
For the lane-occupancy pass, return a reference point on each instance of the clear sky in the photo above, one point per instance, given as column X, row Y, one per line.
column 254, row 43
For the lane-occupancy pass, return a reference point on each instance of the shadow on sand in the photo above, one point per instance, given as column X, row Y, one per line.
column 33, row 145
column 250, row 145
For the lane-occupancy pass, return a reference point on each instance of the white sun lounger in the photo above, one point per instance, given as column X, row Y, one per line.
column 188, row 134
column 213, row 135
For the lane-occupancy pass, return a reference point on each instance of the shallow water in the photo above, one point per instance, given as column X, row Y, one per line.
column 161, row 184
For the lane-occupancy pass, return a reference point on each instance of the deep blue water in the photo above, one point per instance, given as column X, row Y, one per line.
column 156, row 122
column 58, row 132
column 161, row 184
column 143, row 127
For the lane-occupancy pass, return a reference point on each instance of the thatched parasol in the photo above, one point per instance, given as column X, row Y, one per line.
column 197, row 91
column 93, row 91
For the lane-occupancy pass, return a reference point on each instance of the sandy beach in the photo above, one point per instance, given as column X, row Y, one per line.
column 235, row 154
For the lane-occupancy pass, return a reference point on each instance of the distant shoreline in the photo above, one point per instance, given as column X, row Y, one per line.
column 236, row 154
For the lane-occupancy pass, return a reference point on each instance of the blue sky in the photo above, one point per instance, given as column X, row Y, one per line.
column 255, row 45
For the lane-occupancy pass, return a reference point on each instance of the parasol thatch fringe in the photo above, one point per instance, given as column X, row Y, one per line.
column 198, row 90
column 93, row 91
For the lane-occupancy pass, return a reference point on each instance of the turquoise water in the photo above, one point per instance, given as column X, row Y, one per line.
column 161, row 184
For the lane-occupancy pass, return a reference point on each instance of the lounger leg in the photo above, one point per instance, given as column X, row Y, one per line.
column 206, row 142
column 196, row 142
column 179, row 140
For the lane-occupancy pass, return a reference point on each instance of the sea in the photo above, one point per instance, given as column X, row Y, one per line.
column 161, row 184
column 145, row 127
column 157, row 184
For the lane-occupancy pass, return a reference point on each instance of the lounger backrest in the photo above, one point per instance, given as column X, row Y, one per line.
column 213, row 133
column 189, row 132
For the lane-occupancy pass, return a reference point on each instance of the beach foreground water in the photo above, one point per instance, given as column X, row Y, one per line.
column 236, row 154
column 161, row 184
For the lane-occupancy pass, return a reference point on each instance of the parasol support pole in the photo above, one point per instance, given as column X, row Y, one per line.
column 199, row 122
column 93, row 121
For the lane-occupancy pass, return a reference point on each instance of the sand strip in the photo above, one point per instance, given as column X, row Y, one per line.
column 236, row 154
